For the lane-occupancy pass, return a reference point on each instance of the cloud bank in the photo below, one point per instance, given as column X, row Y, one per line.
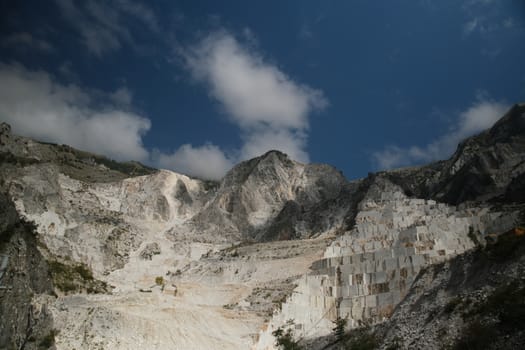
column 37, row 106
column 480, row 116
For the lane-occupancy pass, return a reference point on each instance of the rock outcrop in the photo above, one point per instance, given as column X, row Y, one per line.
column 274, row 198
column 25, row 285
column 482, row 168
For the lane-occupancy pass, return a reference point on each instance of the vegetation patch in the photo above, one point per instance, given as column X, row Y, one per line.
column 361, row 339
column 285, row 337
column 75, row 278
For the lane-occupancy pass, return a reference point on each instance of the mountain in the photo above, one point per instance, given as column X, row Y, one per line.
column 96, row 253
column 485, row 167
column 272, row 197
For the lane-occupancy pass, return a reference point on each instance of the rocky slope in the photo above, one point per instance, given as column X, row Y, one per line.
column 25, row 284
column 130, row 232
column 128, row 257
column 476, row 300
column 486, row 167
column 366, row 272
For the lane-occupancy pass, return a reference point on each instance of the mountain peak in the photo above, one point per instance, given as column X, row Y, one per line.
column 269, row 161
column 511, row 124
column 274, row 153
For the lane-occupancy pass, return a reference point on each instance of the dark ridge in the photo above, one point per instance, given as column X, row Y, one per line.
column 481, row 169
column 19, row 151
column 26, row 274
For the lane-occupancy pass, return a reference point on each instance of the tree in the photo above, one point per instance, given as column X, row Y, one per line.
column 339, row 328
column 284, row 337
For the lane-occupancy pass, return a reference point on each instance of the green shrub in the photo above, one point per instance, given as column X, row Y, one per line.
column 84, row 272
column 285, row 338
column 75, row 278
column 339, row 328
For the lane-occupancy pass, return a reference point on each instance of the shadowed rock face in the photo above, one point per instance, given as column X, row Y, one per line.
column 448, row 300
column 80, row 165
column 25, row 322
column 480, row 170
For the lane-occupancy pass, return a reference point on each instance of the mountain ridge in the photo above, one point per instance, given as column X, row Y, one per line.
column 263, row 245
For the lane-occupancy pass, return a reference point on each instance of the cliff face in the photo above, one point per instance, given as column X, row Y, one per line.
column 25, row 285
column 482, row 168
column 120, row 246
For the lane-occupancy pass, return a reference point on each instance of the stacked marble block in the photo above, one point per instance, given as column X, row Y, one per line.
column 366, row 272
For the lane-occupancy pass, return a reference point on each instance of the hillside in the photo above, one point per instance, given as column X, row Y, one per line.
column 100, row 254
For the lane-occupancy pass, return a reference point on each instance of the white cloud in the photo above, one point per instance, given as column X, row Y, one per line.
column 270, row 108
column 24, row 40
column 207, row 161
column 104, row 26
column 251, row 90
column 37, row 106
column 480, row 116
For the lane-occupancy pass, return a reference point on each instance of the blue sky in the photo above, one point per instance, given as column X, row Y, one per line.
column 197, row 86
